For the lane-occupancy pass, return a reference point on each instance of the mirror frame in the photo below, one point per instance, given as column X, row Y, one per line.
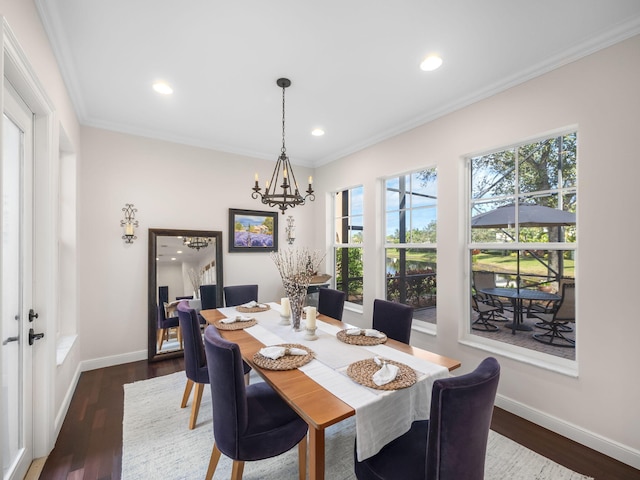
column 154, row 233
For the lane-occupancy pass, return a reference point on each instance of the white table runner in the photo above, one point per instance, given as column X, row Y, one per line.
column 381, row 416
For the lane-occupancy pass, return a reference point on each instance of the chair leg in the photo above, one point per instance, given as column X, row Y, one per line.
column 247, row 379
column 187, row 392
column 160, row 338
column 483, row 324
column 213, row 462
column 554, row 334
column 179, row 335
column 237, row 469
column 302, row 458
column 195, row 407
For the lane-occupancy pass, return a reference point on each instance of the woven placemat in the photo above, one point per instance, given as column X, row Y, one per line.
column 361, row 339
column 288, row 362
column 242, row 309
column 235, row 325
column 363, row 370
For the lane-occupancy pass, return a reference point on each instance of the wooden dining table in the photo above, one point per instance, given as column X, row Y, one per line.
column 316, row 405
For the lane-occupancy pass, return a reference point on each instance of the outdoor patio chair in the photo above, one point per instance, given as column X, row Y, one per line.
column 482, row 280
column 485, row 313
column 556, row 321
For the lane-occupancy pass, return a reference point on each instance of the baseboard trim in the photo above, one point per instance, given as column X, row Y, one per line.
column 103, row 362
column 604, row 445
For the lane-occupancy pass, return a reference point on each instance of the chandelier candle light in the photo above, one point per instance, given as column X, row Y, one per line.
column 296, row 267
column 283, row 177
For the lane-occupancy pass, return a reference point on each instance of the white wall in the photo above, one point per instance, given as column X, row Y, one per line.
column 172, row 186
column 600, row 95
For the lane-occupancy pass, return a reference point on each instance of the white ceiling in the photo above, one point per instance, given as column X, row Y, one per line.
column 354, row 64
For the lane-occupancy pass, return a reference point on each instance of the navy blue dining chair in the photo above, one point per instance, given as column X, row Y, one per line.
column 239, row 294
column 249, row 422
column 165, row 324
column 331, row 302
column 394, row 319
column 208, row 300
column 452, row 444
column 195, row 362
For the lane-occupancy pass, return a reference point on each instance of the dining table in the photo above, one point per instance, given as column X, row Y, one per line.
column 322, row 393
column 517, row 297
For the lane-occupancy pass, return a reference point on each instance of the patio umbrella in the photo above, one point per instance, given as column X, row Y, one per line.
column 529, row 215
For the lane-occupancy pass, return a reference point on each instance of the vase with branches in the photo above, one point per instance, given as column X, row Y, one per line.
column 296, row 266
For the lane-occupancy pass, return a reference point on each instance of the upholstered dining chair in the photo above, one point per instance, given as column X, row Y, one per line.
column 556, row 322
column 208, row 299
column 195, row 362
column 249, row 423
column 239, row 294
column 394, row 319
column 331, row 302
column 165, row 325
column 452, row 444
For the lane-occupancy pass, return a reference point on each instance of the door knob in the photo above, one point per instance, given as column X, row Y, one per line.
column 10, row 339
column 32, row 315
column 34, row 336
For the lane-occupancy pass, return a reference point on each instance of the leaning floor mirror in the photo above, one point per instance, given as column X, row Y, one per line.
column 184, row 265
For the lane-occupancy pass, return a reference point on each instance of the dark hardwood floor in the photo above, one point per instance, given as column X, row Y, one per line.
column 90, row 442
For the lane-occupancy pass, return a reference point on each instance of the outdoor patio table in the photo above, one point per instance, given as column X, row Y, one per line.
column 517, row 295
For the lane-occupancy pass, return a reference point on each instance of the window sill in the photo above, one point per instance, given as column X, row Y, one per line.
column 63, row 347
column 524, row 355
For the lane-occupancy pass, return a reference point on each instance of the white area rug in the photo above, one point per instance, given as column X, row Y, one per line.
column 157, row 443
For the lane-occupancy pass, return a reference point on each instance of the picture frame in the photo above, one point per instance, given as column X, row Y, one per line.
column 253, row 231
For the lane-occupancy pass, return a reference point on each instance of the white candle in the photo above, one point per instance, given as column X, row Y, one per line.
column 129, row 229
column 311, row 317
column 285, row 306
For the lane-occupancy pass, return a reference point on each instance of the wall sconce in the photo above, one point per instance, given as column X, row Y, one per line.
column 129, row 223
column 291, row 230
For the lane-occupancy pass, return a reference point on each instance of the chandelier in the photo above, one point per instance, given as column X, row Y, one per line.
column 282, row 190
column 196, row 242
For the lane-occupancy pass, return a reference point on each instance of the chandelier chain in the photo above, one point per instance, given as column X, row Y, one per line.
column 284, row 149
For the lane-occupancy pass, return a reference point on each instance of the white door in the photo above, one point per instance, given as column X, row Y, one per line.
column 16, row 289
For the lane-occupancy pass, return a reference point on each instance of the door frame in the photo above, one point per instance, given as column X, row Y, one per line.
column 19, row 72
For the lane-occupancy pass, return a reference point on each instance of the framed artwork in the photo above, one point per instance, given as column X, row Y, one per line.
column 253, row 231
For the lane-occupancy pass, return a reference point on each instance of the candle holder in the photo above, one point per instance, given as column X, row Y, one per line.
column 310, row 333
column 284, row 320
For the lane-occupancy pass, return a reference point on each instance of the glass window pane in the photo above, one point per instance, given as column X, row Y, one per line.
column 423, row 225
column 423, row 188
column 349, row 271
column 392, row 189
column 356, row 206
column 493, row 175
column 411, row 279
column 539, row 163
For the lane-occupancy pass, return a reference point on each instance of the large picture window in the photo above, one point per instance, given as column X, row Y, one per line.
column 410, row 241
column 348, row 235
column 523, row 240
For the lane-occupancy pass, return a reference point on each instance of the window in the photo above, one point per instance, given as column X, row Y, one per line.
column 410, row 241
column 522, row 225
column 348, row 225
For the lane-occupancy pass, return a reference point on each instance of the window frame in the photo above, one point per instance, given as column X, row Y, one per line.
column 418, row 324
column 466, row 336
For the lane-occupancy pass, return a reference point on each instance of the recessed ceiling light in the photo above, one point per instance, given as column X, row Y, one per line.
column 173, row 258
column 317, row 132
column 162, row 88
column 179, row 251
column 430, row 63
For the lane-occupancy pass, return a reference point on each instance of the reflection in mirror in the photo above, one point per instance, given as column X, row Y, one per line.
column 180, row 262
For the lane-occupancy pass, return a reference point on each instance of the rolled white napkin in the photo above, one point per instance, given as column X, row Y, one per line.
column 276, row 352
column 371, row 332
column 386, row 374
column 251, row 304
column 237, row 318
column 368, row 332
